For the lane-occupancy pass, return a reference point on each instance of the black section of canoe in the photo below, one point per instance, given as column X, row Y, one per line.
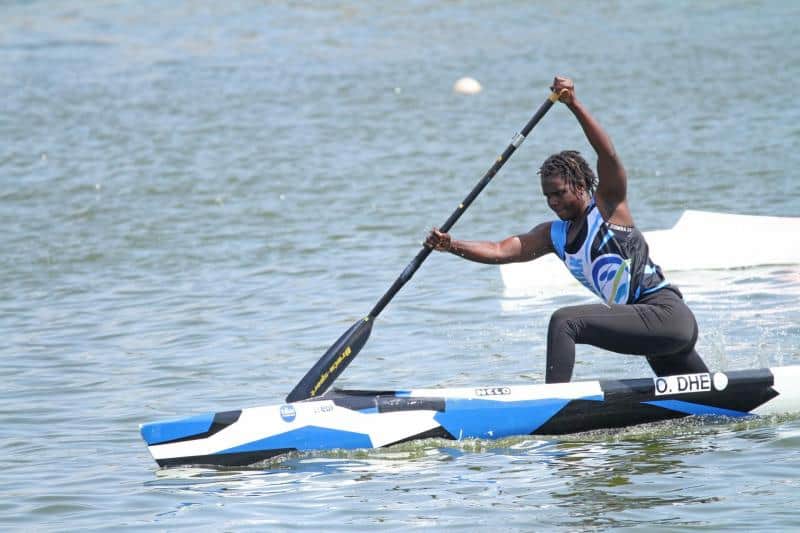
column 221, row 421
column 224, row 459
column 383, row 401
column 624, row 403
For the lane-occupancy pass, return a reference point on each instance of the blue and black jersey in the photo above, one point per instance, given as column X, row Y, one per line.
column 611, row 261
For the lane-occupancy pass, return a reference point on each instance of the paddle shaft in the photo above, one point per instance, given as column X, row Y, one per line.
column 423, row 254
column 317, row 380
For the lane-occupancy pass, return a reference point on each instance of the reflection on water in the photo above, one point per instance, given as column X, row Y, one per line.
column 662, row 474
column 604, row 482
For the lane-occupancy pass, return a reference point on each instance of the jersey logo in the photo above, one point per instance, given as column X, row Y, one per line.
column 611, row 278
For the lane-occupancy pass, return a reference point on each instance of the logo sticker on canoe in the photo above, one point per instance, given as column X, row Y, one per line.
column 288, row 413
column 493, row 391
column 682, row 384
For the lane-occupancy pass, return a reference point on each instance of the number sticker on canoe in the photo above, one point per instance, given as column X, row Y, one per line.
column 682, row 384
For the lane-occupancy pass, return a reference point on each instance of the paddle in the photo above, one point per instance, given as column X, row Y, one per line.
column 341, row 353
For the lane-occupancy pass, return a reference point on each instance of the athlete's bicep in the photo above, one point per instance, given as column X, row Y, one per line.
column 535, row 243
column 612, row 178
column 612, row 191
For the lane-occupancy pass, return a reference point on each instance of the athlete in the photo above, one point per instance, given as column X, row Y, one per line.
column 641, row 312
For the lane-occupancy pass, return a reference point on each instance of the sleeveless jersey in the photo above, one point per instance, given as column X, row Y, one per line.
column 611, row 261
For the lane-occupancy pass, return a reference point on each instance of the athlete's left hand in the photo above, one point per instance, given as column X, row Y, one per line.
column 565, row 89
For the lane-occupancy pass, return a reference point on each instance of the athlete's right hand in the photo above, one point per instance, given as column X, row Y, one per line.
column 438, row 240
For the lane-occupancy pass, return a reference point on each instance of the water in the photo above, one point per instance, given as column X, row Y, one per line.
column 198, row 199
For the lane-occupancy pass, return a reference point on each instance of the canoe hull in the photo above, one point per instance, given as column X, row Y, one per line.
column 374, row 419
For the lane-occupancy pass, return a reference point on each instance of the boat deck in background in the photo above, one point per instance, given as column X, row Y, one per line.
column 700, row 240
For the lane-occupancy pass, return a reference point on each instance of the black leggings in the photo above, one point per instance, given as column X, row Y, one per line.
column 660, row 326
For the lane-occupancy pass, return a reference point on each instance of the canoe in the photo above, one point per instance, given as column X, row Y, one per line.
column 373, row 419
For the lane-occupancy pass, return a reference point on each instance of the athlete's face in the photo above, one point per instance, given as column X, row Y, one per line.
column 566, row 202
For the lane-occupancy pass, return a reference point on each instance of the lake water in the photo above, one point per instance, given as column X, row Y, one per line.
column 198, row 198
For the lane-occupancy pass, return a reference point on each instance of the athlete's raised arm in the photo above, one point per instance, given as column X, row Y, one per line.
column 612, row 188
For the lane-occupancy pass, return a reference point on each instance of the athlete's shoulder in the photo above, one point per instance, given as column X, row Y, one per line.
column 558, row 236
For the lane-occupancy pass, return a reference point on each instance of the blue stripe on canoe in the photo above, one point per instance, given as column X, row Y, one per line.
column 478, row 418
column 697, row 408
column 307, row 438
column 158, row 432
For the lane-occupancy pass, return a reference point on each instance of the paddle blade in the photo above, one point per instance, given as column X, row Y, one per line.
column 322, row 375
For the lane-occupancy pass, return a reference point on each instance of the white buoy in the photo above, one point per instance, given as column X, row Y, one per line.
column 467, row 86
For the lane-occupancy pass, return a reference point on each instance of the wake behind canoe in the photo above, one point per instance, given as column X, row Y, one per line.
column 374, row 419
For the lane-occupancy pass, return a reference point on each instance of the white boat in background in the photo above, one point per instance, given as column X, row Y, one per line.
column 700, row 240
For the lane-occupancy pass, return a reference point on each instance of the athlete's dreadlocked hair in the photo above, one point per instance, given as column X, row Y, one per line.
column 571, row 166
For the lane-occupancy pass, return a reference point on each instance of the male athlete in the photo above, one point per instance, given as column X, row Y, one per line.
column 641, row 313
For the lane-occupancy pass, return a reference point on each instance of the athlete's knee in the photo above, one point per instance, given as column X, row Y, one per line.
column 562, row 322
column 686, row 338
column 678, row 339
column 685, row 330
